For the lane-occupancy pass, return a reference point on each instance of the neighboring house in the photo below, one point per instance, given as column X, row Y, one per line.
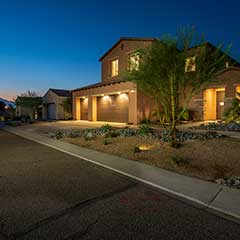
column 114, row 100
column 23, row 111
column 53, row 101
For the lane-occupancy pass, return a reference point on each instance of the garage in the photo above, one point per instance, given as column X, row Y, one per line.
column 113, row 108
column 84, row 109
column 51, row 111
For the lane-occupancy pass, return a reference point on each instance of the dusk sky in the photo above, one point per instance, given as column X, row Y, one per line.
column 57, row 43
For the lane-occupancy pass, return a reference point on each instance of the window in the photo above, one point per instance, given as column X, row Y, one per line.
column 190, row 64
column 134, row 60
column 114, row 68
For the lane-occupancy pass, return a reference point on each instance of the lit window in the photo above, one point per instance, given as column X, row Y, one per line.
column 134, row 61
column 190, row 64
column 114, row 68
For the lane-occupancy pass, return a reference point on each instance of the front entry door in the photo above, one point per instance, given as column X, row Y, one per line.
column 220, row 103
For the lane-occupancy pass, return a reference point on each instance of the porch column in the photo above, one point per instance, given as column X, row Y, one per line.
column 76, row 108
column 132, row 108
column 92, row 108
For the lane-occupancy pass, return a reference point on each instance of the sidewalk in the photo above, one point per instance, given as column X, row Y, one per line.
column 205, row 194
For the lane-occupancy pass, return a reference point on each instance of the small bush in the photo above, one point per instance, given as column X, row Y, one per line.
column 180, row 161
column 136, row 149
column 59, row 135
column 105, row 128
column 144, row 130
column 89, row 136
column 107, row 141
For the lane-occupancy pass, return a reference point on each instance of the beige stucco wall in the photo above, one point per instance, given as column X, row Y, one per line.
column 107, row 90
column 51, row 97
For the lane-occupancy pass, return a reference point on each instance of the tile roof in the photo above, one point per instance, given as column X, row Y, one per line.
column 61, row 92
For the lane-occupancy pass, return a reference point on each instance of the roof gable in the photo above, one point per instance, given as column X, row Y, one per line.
column 125, row 39
column 61, row 92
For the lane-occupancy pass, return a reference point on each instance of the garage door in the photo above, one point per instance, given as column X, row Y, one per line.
column 113, row 108
column 84, row 109
column 51, row 111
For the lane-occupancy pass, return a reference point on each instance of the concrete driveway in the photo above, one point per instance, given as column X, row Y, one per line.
column 47, row 194
column 55, row 126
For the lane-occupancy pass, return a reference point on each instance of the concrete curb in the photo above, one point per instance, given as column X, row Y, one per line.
column 209, row 195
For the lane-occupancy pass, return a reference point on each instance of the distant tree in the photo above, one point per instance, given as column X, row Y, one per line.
column 30, row 100
column 169, row 69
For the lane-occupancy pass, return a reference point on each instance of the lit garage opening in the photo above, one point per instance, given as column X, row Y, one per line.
column 113, row 108
column 84, row 108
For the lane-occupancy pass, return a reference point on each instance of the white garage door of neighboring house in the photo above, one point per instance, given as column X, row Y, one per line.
column 51, row 111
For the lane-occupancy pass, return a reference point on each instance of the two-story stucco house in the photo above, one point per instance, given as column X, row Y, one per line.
column 114, row 100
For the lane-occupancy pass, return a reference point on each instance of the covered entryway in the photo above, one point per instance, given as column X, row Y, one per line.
column 84, row 109
column 214, row 103
column 113, row 108
column 51, row 111
column 220, row 95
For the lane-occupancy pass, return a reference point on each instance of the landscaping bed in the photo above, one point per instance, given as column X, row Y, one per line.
column 209, row 156
column 232, row 126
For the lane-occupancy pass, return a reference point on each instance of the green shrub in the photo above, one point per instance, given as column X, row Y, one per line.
column 89, row 136
column 144, row 130
column 233, row 113
column 106, row 128
column 107, row 141
column 59, row 135
column 180, row 161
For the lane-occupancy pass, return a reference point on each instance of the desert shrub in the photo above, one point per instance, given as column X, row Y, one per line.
column 233, row 113
column 144, row 130
column 105, row 128
column 89, row 136
column 107, row 141
column 59, row 135
column 180, row 161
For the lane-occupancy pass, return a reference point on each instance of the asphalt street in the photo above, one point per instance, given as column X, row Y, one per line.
column 47, row 194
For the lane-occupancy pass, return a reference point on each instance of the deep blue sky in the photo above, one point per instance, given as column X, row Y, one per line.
column 57, row 43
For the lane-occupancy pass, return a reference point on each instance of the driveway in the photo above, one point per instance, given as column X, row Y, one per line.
column 54, row 126
column 47, row 194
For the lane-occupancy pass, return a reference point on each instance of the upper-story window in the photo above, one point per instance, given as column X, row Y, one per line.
column 114, row 68
column 134, row 61
column 190, row 64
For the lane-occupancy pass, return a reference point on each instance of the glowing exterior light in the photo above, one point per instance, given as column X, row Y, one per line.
column 132, row 91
